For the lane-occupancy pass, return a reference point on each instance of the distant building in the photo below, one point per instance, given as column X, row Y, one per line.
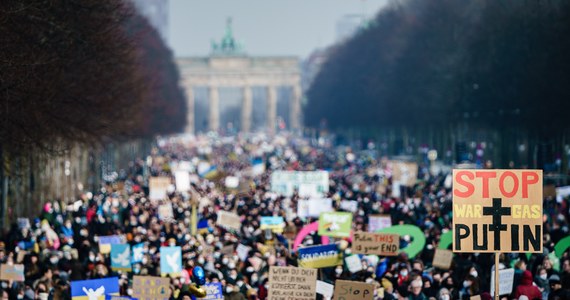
column 156, row 11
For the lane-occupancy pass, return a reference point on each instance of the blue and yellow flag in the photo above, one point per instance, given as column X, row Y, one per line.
column 96, row 289
column 319, row 256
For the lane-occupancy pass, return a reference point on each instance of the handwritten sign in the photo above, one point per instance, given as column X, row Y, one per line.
column 292, row 283
column 442, row 258
column 229, row 220
column 378, row 222
column 497, row 211
column 158, row 187
column 506, row 279
column 150, row 288
column 352, row 290
column 384, row 244
column 12, row 272
column 213, row 291
column 405, row 173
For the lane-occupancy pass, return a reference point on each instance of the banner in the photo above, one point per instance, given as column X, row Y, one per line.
column 170, row 261
column 105, row 242
column 94, row 289
column 213, row 291
column 314, row 207
column 442, row 258
column 506, row 279
column 497, row 211
column 229, row 220
column 138, row 253
column 182, row 181
column 319, row 256
column 276, row 224
column 378, row 222
column 151, row 288
column 13, row 272
column 405, row 173
column 385, row 244
column 158, row 187
column 121, row 257
column 353, row 290
column 292, row 283
column 285, row 183
column 335, row 224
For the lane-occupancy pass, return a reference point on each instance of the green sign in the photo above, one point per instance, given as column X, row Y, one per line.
column 335, row 224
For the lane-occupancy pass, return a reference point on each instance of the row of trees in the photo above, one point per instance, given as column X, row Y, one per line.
column 82, row 71
column 494, row 65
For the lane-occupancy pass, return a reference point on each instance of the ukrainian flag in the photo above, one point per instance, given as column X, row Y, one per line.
column 94, row 289
column 210, row 173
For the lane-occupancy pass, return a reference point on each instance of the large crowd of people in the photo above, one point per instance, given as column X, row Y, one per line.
column 61, row 244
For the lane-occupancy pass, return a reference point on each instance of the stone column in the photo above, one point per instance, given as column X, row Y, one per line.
column 271, row 108
column 190, row 113
column 214, row 119
column 246, row 109
column 296, row 107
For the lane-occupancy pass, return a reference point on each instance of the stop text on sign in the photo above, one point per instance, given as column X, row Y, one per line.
column 497, row 210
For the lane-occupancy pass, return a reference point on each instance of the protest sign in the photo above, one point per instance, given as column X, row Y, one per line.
column 121, row 257
column 229, row 220
column 285, row 183
column 442, row 258
column 292, row 283
column 353, row 263
column 138, row 253
column 231, row 182
column 308, row 190
column 378, row 222
column 335, row 224
column 14, row 272
column 227, row 250
column 213, row 291
column 165, row 212
column 313, row 207
column 497, row 211
column 353, row 290
column 319, row 256
column 349, row 205
column 105, row 242
column 257, row 167
column 325, row 289
column 151, row 288
column 243, row 252
column 385, row 244
column 23, row 223
column 276, row 224
column 506, row 278
column 170, row 261
column 95, row 288
column 405, row 173
column 158, row 187
column 182, row 181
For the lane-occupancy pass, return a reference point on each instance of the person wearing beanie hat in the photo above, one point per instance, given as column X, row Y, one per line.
column 556, row 290
column 526, row 287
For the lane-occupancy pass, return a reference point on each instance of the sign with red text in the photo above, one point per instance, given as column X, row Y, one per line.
column 497, row 211
column 385, row 244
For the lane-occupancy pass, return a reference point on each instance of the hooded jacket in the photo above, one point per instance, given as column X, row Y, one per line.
column 526, row 288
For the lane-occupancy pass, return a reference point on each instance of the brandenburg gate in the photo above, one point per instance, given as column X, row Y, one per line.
column 228, row 67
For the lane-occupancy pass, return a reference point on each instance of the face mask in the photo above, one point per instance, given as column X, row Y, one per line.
column 129, row 292
column 466, row 283
column 201, row 261
column 229, row 289
column 231, row 265
column 474, row 273
column 54, row 260
column 239, row 283
column 404, row 273
column 254, row 278
column 543, row 276
column 338, row 271
column 144, row 261
column 444, row 297
column 91, row 258
column 225, row 261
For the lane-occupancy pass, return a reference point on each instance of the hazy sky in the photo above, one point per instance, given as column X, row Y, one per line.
column 265, row 27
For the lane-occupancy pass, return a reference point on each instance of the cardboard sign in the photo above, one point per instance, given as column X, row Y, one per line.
column 442, row 258
column 150, row 288
column 325, row 289
column 285, row 183
column 95, row 288
column 405, row 173
column 227, row 250
column 497, row 211
column 353, row 263
column 121, row 257
column 213, row 291
column 506, row 278
column 384, row 244
column 182, row 181
column 165, row 212
column 12, row 272
column 229, row 220
column 319, row 256
column 335, row 224
column 292, row 283
column 379, row 222
column 158, row 187
column 170, row 261
column 353, row 290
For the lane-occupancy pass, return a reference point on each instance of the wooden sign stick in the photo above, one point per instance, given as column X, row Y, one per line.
column 497, row 275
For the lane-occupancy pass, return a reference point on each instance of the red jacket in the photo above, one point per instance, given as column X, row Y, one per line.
column 526, row 288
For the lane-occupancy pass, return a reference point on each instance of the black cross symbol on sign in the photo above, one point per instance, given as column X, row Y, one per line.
column 497, row 211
